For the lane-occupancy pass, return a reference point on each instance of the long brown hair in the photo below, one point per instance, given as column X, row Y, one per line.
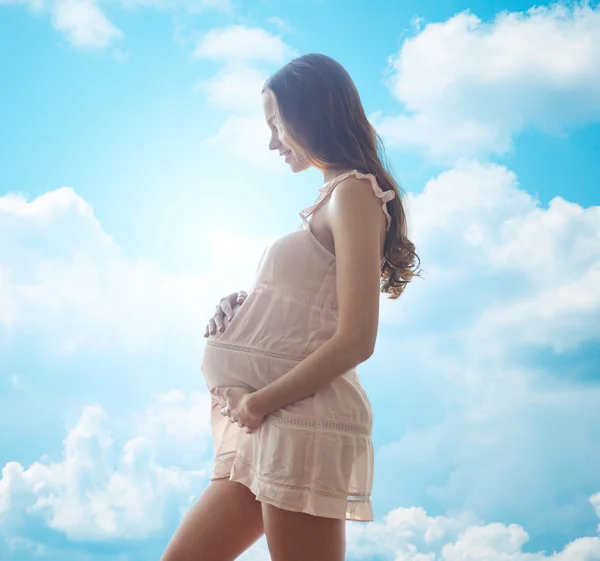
column 323, row 113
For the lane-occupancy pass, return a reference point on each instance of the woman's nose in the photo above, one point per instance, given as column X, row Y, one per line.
column 274, row 143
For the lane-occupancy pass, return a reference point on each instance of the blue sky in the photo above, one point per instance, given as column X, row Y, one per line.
column 136, row 189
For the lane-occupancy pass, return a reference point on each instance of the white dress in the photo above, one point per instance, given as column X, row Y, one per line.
column 316, row 455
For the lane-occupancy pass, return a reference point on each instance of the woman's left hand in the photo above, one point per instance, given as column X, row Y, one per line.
column 237, row 408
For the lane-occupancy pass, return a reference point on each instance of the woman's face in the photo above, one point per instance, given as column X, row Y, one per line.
column 280, row 141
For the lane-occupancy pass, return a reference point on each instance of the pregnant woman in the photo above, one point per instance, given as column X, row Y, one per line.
column 291, row 421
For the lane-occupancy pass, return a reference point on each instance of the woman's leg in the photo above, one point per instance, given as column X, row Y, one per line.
column 224, row 522
column 295, row 536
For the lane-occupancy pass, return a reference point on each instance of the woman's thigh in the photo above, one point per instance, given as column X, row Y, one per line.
column 295, row 536
column 224, row 522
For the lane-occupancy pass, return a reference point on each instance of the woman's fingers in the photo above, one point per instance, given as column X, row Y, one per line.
column 226, row 308
column 220, row 391
column 224, row 312
column 218, row 319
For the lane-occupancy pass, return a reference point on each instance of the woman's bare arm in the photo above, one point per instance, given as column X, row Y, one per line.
column 358, row 226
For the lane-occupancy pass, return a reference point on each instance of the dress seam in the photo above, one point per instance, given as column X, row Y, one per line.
column 277, row 417
column 354, row 498
column 315, row 424
column 295, row 294
column 254, row 350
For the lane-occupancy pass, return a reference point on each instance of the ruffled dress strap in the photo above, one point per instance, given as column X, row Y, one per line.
column 327, row 189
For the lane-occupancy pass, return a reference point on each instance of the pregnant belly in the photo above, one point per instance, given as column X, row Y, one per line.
column 227, row 366
column 344, row 400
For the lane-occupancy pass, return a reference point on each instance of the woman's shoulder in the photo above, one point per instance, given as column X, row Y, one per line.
column 354, row 192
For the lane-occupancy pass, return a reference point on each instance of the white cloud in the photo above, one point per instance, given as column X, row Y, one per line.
column 179, row 426
column 469, row 87
column 409, row 534
column 64, row 277
column 84, row 24
column 405, row 534
column 236, row 87
column 506, row 447
column 100, row 491
column 246, row 139
column 492, row 356
column 245, row 54
column 595, row 500
column 523, row 274
column 282, row 24
column 242, row 44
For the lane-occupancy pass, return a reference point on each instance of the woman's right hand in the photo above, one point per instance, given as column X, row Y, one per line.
column 224, row 312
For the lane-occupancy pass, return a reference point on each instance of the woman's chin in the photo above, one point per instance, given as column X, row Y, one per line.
column 297, row 167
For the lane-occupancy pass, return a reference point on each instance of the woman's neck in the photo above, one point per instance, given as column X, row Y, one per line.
column 329, row 174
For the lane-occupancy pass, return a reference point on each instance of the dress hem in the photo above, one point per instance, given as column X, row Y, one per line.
column 313, row 503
